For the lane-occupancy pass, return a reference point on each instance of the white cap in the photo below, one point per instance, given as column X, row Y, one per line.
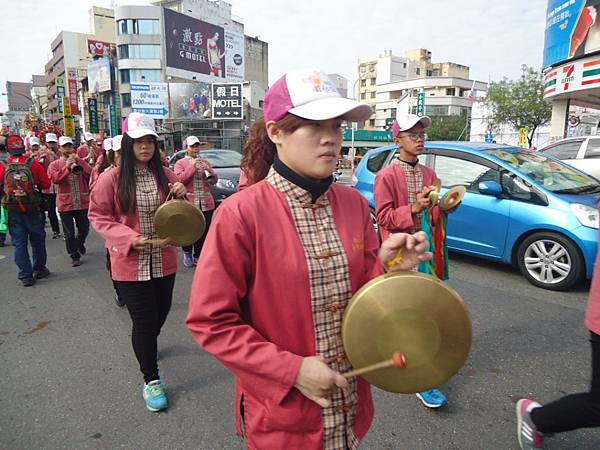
column 310, row 94
column 51, row 137
column 116, row 142
column 107, row 144
column 33, row 140
column 406, row 122
column 191, row 140
column 63, row 140
column 87, row 136
column 140, row 125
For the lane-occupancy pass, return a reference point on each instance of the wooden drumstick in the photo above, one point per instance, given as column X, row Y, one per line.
column 397, row 360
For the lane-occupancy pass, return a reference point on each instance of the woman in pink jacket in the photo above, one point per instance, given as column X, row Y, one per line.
column 143, row 266
column 198, row 176
column 279, row 265
column 574, row 411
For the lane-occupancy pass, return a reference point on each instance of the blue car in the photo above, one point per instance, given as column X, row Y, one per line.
column 521, row 207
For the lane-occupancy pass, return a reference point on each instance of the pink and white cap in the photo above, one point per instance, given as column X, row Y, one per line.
column 116, row 142
column 64, row 140
column 139, row 125
column 107, row 144
column 406, row 122
column 33, row 140
column 51, row 137
column 310, row 94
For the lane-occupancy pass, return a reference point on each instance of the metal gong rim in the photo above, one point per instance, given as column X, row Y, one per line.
column 452, row 197
column 414, row 314
column 180, row 221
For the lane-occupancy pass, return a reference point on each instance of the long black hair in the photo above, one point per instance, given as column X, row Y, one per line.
column 126, row 181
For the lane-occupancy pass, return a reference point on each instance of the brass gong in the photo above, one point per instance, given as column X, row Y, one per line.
column 434, row 195
column 452, row 198
column 416, row 315
column 180, row 221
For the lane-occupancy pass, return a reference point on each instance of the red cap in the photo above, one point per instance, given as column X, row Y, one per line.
column 15, row 142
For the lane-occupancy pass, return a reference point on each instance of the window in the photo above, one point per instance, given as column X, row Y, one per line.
column 139, row 51
column 516, row 187
column 429, row 73
column 458, row 172
column 363, row 96
column 372, row 123
column 129, row 75
column 450, row 91
column 404, row 65
column 147, row 26
column 363, row 83
column 138, row 26
column 126, row 100
column 375, row 163
column 372, row 94
column 565, row 150
column 593, row 149
column 372, row 81
column 418, row 71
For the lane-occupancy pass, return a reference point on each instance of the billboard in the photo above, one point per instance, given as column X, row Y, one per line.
column 194, row 48
column 572, row 30
column 72, row 74
column 151, row 99
column 227, row 101
column 98, row 48
column 60, row 92
column 189, row 100
column 99, row 75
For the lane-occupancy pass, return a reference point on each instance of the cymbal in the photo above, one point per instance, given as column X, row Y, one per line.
column 434, row 195
column 452, row 198
column 416, row 315
column 180, row 221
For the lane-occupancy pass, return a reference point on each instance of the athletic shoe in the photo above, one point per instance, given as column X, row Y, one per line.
column 154, row 395
column 527, row 433
column 433, row 398
column 29, row 281
column 76, row 262
column 188, row 259
column 82, row 249
column 55, row 234
column 39, row 274
column 118, row 301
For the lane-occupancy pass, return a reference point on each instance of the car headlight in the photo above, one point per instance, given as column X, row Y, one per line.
column 587, row 215
column 224, row 183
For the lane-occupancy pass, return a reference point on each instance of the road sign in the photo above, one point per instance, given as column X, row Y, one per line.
column 227, row 101
column 420, row 103
column 151, row 99
column 523, row 141
column 489, row 137
column 114, row 127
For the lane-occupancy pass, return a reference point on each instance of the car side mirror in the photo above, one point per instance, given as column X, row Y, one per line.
column 492, row 188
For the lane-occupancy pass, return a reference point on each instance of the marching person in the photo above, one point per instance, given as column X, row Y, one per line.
column 279, row 265
column 3, row 213
column 89, row 151
column 105, row 161
column 400, row 194
column 20, row 178
column 198, row 176
column 143, row 267
column 570, row 412
column 71, row 175
column 45, row 156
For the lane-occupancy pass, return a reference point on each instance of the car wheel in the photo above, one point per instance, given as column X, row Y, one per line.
column 375, row 224
column 550, row 261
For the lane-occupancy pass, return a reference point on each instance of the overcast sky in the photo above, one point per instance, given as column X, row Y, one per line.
column 494, row 38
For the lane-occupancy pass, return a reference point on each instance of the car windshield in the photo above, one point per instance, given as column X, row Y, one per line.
column 553, row 175
column 222, row 158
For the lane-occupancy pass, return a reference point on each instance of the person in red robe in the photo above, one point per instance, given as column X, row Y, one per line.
column 279, row 265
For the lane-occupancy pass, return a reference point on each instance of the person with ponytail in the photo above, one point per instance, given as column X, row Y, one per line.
column 279, row 265
column 143, row 267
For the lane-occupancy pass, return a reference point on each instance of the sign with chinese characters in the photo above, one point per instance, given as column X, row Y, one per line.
column 93, row 114
column 60, row 92
column 201, row 51
column 69, row 126
column 114, row 123
column 98, row 48
column 227, row 101
column 368, row 135
column 523, row 141
column 151, row 99
column 98, row 72
column 420, row 103
column 72, row 82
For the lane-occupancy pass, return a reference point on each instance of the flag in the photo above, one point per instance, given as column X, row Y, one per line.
column 471, row 95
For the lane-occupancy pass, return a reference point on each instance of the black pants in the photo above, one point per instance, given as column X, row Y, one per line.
column 69, row 220
column 577, row 410
column 148, row 303
column 108, row 267
column 50, row 206
column 200, row 242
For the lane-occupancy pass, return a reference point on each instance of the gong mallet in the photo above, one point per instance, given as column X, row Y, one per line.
column 398, row 360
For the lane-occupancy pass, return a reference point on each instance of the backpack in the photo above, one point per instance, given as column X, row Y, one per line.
column 20, row 194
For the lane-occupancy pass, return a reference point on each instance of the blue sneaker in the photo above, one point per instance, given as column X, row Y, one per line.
column 433, row 398
column 155, row 397
column 188, row 259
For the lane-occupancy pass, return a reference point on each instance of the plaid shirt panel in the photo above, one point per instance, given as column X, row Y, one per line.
column 75, row 191
column 414, row 185
column 147, row 202
column 330, row 289
column 202, row 192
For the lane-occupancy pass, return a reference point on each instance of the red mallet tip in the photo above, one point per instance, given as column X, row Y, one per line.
column 399, row 360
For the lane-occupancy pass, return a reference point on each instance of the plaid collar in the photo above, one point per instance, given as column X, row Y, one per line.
column 291, row 190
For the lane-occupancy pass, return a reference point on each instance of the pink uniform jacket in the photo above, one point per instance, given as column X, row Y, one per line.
column 119, row 229
column 243, row 183
column 45, row 162
column 84, row 150
column 59, row 174
column 391, row 199
column 185, row 171
column 250, row 306
column 592, row 316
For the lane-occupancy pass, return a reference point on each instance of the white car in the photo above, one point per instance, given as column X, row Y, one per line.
column 582, row 152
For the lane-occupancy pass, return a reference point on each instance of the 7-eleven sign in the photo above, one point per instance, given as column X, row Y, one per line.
column 568, row 76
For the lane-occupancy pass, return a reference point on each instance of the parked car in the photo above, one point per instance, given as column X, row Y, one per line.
column 227, row 166
column 521, row 207
column 582, row 152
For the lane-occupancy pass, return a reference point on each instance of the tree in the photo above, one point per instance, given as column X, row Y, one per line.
column 520, row 103
column 450, row 128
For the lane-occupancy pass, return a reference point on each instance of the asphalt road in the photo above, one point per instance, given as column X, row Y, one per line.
column 70, row 379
